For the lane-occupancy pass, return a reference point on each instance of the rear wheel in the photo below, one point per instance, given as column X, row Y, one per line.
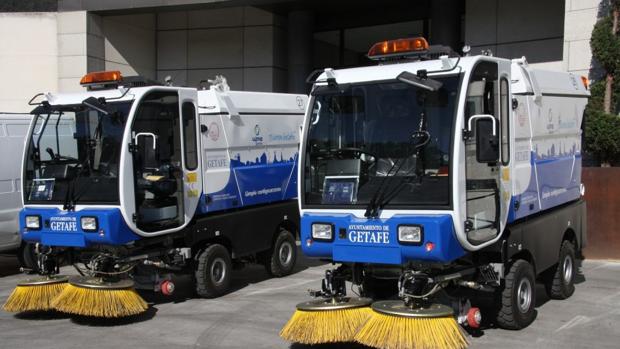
column 560, row 285
column 213, row 271
column 518, row 297
column 280, row 259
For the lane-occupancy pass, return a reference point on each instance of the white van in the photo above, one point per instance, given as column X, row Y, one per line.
column 13, row 130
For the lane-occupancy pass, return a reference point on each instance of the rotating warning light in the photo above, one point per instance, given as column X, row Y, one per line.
column 101, row 77
column 398, row 47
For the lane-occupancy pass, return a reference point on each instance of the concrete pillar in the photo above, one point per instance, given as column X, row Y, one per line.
column 300, row 49
column 446, row 23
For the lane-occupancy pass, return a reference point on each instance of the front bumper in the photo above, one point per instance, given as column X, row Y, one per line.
column 63, row 228
column 376, row 246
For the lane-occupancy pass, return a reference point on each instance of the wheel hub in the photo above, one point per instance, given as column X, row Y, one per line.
column 286, row 253
column 524, row 295
column 218, row 271
column 334, row 304
column 399, row 308
column 567, row 267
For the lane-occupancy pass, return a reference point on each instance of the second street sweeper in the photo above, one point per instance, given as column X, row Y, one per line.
column 132, row 182
column 433, row 181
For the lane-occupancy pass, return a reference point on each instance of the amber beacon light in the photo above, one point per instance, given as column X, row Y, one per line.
column 101, row 77
column 397, row 47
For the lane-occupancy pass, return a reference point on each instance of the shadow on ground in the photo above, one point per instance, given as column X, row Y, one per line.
column 329, row 346
column 110, row 322
column 9, row 265
column 248, row 275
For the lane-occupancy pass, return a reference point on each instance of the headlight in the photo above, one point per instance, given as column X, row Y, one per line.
column 89, row 223
column 322, row 231
column 33, row 222
column 410, row 234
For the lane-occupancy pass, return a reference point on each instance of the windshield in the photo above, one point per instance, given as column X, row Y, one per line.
column 73, row 155
column 365, row 138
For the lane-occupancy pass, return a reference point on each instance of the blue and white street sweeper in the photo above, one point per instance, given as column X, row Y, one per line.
column 136, row 180
column 436, row 178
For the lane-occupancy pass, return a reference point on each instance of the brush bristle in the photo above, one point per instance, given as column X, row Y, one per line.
column 315, row 327
column 33, row 297
column 99, row 302
column 395, row 332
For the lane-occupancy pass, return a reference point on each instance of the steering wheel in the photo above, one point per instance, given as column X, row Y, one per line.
column 420, row 138
column 360, row 151
column 58, row 157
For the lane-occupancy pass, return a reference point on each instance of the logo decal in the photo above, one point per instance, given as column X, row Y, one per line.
column 369, row 233
column 257, row 139
column 63, row 223
column 300, row 102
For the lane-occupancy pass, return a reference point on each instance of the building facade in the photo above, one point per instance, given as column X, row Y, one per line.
column 266, row 45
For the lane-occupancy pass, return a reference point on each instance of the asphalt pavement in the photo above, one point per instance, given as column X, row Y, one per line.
column 252, row 314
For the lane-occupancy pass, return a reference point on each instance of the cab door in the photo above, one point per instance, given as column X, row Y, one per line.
column 487, row 151
column 192, row 174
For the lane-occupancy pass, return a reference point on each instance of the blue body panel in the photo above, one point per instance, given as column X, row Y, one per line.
column 261, row 181
column 63, row 228
column 555, row 179
column 384, row 247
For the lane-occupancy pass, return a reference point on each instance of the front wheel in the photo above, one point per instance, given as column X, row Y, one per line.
column 518, row 297
column 282, row 256
column 213, row 271
column 561, row 284
column 27, row 257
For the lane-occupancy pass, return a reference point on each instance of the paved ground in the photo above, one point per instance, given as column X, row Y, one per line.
column 251, row 316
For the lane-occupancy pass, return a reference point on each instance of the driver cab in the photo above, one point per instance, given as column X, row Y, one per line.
column 165, row 160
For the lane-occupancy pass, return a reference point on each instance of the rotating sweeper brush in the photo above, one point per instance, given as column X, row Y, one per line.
column 37, row 293
column 104, row 289
column 395, row 325
column 415, row 321
column 92, row 296
column 331, row 318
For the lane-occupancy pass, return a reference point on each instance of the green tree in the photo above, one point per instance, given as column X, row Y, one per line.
column 602, row 123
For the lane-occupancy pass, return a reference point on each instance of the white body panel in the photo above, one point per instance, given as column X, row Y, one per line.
column 243, row 127
column 547, row 121
column 13, row 131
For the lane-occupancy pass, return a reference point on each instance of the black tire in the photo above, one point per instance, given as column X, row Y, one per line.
column 560, row 284
column 518, row 297
column 280, row 259
column 213, row 271
column 27, row 257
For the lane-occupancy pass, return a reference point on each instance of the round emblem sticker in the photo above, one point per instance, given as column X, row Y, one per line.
column 214, row 131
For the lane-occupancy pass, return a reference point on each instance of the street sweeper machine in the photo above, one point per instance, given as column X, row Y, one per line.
column 132, row 181
column 431, row 182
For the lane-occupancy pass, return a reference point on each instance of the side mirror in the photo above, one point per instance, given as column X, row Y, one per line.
column 487, row 140
column 423, row 83
column 97, row 105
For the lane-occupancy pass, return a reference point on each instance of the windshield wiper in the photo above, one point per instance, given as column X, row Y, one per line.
column 372, row 210
column 420, row 138
column 71, row 198
column 380, row 199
